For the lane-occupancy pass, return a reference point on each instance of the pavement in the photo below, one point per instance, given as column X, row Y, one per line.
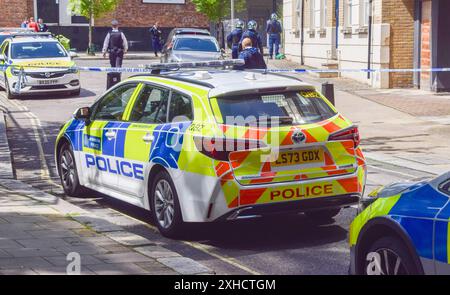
column 41, row 234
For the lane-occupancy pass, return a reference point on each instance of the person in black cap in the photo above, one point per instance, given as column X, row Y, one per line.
column 116, row 45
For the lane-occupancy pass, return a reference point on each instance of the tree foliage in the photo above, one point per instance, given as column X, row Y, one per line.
column 217, row 10
column 92, row 8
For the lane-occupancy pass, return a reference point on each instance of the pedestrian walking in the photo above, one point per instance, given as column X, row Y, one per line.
column 274, row 33
column 156, row 38
column 253, row 35
column 234, row 38
column 24, row 24
column 252, row 56
column 116, row 45
column 42, row 26
column 33, row 25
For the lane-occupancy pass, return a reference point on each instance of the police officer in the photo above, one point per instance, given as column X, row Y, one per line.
column 253, row 35
column 252, row 56
column 234, row 38
column 116, row 44
column 274, row 32
column 156, row 38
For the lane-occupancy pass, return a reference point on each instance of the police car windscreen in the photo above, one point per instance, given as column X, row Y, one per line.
column 37, row 50
column 196, row 44
column 295, row 107
column 2, row 38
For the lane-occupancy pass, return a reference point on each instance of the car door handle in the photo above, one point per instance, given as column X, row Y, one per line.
column 110, row 134
column 148, row 138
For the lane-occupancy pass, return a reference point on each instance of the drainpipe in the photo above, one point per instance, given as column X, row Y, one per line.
column 369, row 45
column 302, row 34
column 336, row 15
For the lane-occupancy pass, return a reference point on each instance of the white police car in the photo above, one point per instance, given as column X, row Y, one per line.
column 36, row 63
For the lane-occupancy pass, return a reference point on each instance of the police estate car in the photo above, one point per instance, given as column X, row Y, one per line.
column 203, row 146
column 404, row 229
column 36, row 63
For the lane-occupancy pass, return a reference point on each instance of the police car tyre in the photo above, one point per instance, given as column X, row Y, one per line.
column 68, row 172
column 165, row 207
column 9, row 95
column 323, row 214
column 395, row 258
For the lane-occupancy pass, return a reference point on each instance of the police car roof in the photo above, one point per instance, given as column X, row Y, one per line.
column 32, row 38
column 231, row 82
column 191, row 30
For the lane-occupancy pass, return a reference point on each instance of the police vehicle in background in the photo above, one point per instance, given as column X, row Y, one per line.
column 403, row 229
column 36, row 63
column 210, row 145
column 192, row 48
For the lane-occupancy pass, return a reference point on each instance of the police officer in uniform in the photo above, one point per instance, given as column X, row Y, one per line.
column 116, row 45
column 274, row 32
column 234, row 38
column 253, row 35
column 156, row 38
column 252, row 56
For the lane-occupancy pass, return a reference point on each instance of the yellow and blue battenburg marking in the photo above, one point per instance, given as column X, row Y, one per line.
column 423, row 213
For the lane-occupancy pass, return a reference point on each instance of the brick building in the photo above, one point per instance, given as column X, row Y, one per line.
column 335, row 34
column 135, row 18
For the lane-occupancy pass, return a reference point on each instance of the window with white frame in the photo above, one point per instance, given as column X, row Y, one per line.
column 318, row 14
column 298, row 15
column 365, row 13
column 356, row 13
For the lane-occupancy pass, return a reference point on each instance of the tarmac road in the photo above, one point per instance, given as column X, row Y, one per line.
column 276, row 245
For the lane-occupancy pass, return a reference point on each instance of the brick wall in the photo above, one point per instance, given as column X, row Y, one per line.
column 400, row 15
column 13, row 12
column 134, row 13
column 425, row 50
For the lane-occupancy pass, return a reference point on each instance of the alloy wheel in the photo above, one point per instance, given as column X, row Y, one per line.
column 67, row 169
column 164, row 203
column 390, row 263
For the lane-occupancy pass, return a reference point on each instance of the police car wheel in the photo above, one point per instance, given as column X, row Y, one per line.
column 68, row 172
column 388, row 256
column 165, row 207
column 9, row 95
column 321, row 215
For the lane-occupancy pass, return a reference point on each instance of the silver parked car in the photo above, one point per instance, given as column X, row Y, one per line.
column 192, row 48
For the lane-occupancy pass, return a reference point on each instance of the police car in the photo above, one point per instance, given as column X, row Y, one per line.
column 205, row 146
column 36, row 63
column 403, row 229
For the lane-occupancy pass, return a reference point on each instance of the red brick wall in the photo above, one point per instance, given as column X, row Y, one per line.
column 13, row 12
column 134, row 13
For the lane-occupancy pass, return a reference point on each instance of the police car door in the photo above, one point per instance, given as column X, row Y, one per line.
column 104, row 138
column 148, row 112
column 442, row 234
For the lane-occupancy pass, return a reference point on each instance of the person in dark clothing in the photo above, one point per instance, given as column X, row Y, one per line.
column 156, row 38
column 234, row 38
column 42, row 26
column 253, row 35
column 116, row 45
column 274, row 33
column 252, row 56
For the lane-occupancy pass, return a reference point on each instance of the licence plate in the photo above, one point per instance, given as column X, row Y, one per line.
column 299, row 157
column 48, row 82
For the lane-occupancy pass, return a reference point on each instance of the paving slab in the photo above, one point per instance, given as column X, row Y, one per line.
column 184, row 265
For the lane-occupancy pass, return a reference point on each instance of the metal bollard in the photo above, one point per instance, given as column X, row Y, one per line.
column 328, row 91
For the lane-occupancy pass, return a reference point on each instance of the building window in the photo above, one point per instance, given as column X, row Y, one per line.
column 298, row 15
column 356, row 13
column 318, row 14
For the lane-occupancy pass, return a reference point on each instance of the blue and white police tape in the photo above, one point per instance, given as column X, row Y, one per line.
column 169, row 67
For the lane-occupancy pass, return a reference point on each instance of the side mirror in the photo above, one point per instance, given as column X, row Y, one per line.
column 2, row 58
column 83, row 114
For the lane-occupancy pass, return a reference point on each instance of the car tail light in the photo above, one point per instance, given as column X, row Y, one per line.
column 220, row 148
column 351, row 133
